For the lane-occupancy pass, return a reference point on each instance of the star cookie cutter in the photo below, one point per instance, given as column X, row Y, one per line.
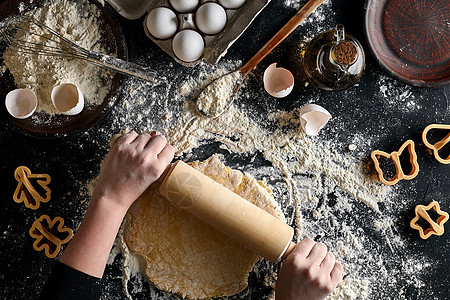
column 50, row 235
column 25, row 192
column 437, row 228
column 439, row 145
column 395, row 157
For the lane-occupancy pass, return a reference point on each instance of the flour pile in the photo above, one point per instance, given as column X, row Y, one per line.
column 218, row 95
column 77, row 21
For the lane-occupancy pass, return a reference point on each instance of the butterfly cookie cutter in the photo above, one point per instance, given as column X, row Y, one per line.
column 437, row 228
column 440, row 144
column 50, row 235
column 25, row 191
column 395, row 157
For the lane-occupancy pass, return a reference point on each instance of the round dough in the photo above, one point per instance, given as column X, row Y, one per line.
column 182, row 254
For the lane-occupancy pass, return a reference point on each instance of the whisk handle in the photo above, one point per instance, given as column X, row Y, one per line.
column 121, row 66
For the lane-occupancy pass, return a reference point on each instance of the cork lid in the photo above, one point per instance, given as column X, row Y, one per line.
column 345, row 53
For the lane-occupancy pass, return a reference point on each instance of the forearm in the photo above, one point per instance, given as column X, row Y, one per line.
column 89, row 250
column 132, row 164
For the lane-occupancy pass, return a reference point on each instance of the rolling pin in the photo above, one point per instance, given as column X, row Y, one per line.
column 214, row 204
column 228, row 212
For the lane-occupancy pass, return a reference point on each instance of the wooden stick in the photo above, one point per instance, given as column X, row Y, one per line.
column 228, row 212
column 290, row 26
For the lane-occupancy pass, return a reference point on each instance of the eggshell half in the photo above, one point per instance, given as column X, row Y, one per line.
column 67, row 99
column 21, row 103
column 313, row 117
column 278, row 82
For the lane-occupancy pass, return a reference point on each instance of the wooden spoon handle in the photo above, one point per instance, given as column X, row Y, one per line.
column 296, row 20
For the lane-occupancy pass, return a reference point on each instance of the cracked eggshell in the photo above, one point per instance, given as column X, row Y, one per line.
column 67, row 99
column 313, row 117
column 278, row 82
column 21, row 103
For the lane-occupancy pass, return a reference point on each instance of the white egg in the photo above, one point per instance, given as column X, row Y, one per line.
column 232, row 4
column 188, row 45
column 162, row 23
column 211, row 18
column 184, row 6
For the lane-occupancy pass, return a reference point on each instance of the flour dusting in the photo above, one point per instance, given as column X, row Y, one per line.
column 318, row 187
column 77, row 21
column 218, row 95
column 397, row 95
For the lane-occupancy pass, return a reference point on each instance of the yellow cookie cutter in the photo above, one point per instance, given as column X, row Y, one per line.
column 45, row 239
column 395, row 157
column 437, row 227
column 25, row 192
column 439, row 145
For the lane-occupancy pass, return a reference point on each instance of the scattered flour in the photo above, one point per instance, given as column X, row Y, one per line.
column 317, row 17
column 321, row 190
column 77, row 21
column 397, row 95
column 318, row 188
column 323, row 193
column 217, row 96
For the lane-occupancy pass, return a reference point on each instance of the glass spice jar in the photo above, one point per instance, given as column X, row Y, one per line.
column 333, row 60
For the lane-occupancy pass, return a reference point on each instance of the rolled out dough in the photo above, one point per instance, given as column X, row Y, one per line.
column 184, row 255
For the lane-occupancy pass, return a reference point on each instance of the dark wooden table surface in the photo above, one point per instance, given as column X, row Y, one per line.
column 378, row 107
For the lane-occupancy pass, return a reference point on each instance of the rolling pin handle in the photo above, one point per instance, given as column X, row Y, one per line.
column 164, row 174
column 289, row 248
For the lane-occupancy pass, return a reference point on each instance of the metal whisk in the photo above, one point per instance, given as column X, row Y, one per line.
column 46, row 41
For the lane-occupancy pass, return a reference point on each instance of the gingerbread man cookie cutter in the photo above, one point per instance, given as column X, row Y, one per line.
column 437, row 228
column 50, row 235
column 438, row 145
column 25, row 191
column 395, row 157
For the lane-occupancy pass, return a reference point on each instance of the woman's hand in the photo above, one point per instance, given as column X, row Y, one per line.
column 310, row 272
column 133, row 163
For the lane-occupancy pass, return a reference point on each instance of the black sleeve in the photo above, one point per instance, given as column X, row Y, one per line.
column 67, row 283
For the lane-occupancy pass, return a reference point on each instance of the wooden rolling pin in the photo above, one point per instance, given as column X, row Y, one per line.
column 228, row 212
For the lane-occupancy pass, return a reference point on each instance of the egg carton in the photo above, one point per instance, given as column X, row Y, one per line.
column 216, row 46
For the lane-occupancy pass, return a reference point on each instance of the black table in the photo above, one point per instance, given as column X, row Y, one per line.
column 379, row 107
